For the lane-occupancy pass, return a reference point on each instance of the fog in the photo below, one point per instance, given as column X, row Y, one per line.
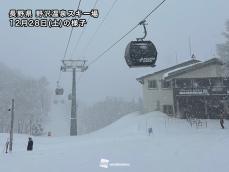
column 37, row 52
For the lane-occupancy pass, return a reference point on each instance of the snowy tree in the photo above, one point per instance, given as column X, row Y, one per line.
column 223, row 51
column 32, row 101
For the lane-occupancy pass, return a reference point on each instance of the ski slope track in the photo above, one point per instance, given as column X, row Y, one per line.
column 174, row 146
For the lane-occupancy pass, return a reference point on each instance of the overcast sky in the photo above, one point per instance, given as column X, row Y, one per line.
column 37, row 52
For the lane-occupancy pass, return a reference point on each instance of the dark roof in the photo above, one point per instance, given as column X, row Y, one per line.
column 194, row 67
column 193, row 61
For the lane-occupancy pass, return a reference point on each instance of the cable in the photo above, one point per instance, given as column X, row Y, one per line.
column 115, row 43
column 70, row 35
column 131, row 30
column 68, row 42
column 98, row 28
column 83, row 30
column 108, row 49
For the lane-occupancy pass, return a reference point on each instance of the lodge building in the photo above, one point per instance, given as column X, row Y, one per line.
column 193, row 87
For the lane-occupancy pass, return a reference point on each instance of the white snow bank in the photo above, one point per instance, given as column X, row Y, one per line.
column 173, row 147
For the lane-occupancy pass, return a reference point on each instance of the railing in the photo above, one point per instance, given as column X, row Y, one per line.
column 223, row 90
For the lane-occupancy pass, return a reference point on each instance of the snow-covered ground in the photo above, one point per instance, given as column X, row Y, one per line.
column 173, row 147
column 59, row 114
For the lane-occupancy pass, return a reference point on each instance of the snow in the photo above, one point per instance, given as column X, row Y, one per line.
column 165, row 75
column 59, row 114
column 175, row 146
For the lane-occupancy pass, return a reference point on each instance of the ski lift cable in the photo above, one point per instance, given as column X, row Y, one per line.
column 96, row 2
column 87, row 46
column 131, row 30
column 59, row 77
column 83, row 30
column 70, row 35
column 81, row 76
column 68, row 42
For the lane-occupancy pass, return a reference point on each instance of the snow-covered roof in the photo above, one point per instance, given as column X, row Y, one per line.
column 181, row 68
column 186, row 63
column 177, row 69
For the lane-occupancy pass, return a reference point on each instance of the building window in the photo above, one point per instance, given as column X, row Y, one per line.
column 183, row 83
column 165, row 84
column 152, row 84
column 168, row 109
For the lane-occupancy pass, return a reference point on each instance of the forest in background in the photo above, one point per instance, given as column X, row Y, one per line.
column 32, row 101
column 105, row 112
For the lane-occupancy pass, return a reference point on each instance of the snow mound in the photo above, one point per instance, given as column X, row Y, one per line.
column 174, row 146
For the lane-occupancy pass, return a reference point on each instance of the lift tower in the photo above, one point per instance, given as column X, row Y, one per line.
column 73, row 66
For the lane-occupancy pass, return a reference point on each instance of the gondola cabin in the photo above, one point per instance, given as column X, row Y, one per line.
column 59, row 91
column 141, row 54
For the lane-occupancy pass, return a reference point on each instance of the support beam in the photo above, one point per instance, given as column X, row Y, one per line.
column 73, row 129
column 73, row 66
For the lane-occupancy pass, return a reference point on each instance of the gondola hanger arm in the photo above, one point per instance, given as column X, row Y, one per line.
column 143, row 23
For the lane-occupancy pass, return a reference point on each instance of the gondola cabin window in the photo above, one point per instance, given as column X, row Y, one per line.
column 152, row 84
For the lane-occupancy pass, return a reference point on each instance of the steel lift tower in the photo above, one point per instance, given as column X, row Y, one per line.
column 73, row 66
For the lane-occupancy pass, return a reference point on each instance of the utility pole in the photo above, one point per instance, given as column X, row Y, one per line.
column 11, row 126
column 73, row 66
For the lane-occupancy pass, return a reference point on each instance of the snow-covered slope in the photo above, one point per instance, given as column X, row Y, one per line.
column 173, row 147
column 59, row 117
